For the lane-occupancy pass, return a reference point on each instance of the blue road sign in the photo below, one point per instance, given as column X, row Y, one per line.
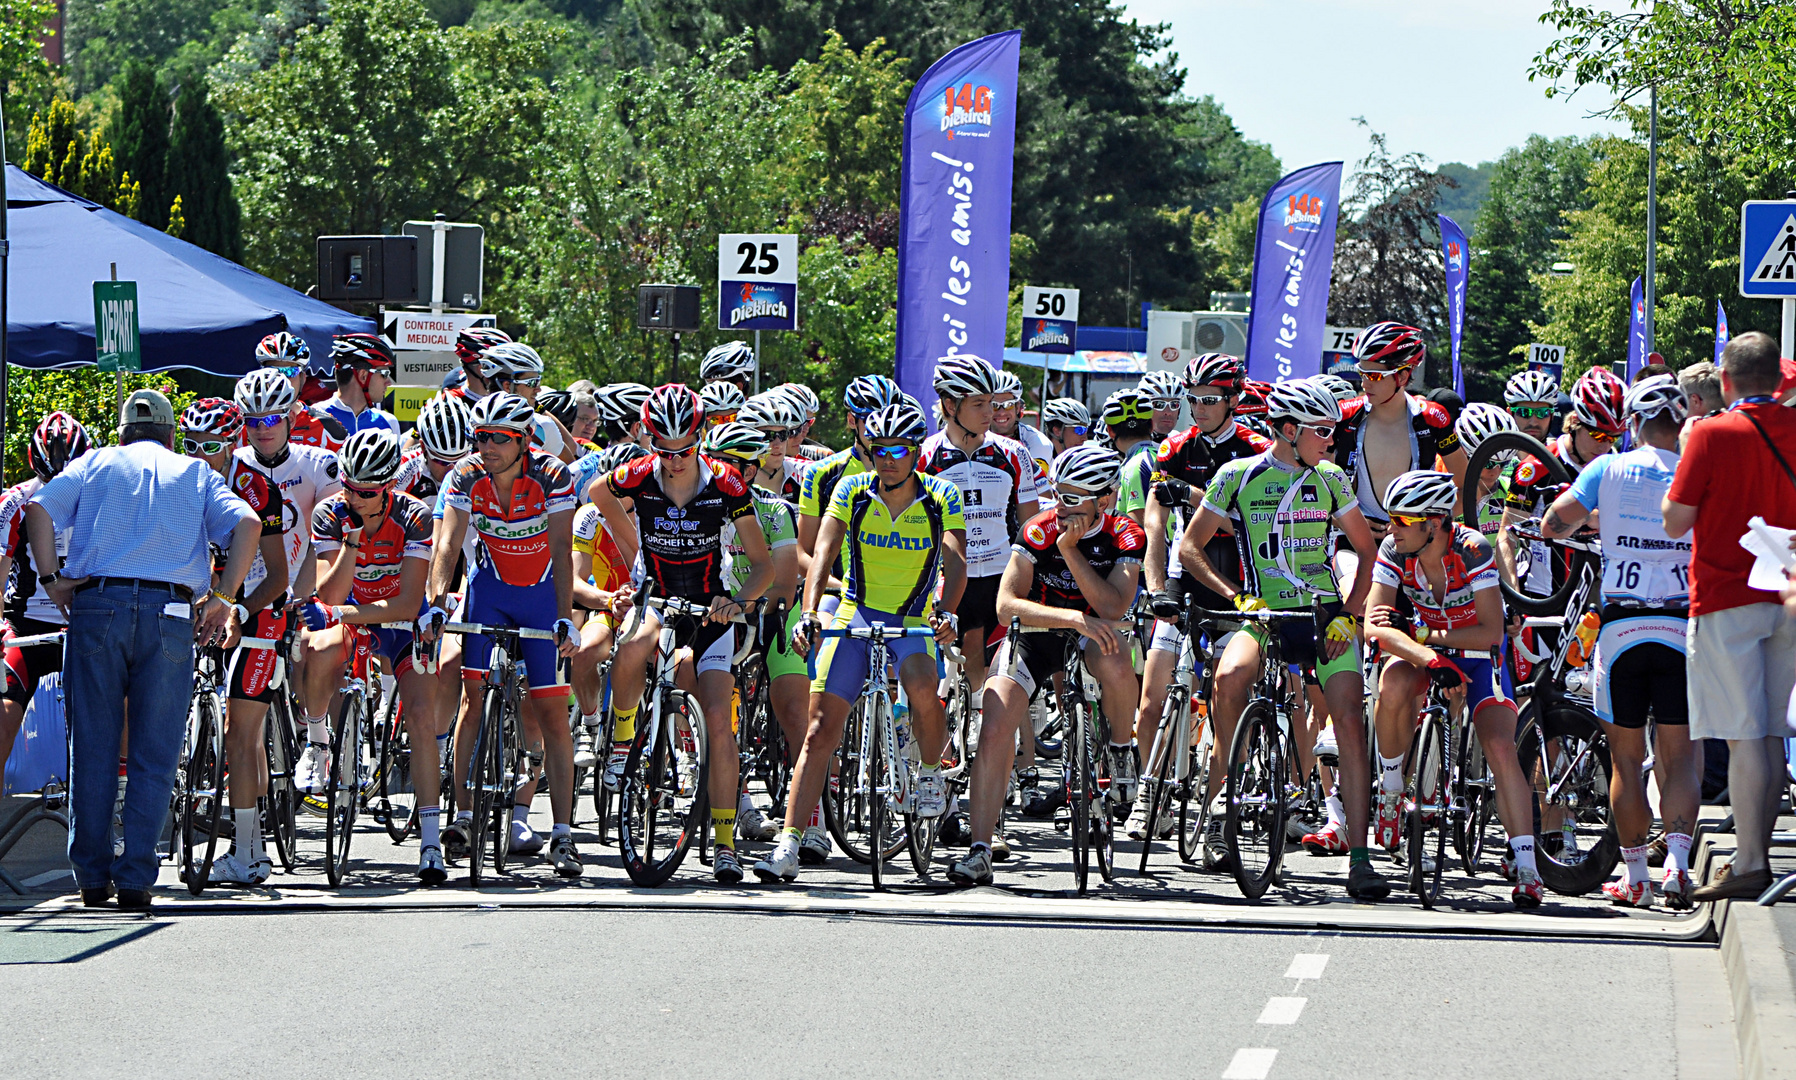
column 1768, row 249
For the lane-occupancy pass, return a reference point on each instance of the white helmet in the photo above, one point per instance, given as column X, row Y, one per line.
column 899, row 421
column 265, row 392
column 1480, row 421
column 805, row 397
column 1650, row 397
column 964, row 376
column 1525, row 386
column 1008, row 382
column 1089, row 466
column 514, row 358
column 621, row 402
column 446, row 428
column 721, row 398
column 503, row 412
column 1303, row 400
column 370, row 457
column 1339, row 387
column 1064, row 410
column 1161, row 385
column 772, row 409
column 731, row 360
column 1421, row 493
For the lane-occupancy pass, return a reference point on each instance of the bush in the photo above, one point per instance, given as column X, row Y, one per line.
column 86, row 393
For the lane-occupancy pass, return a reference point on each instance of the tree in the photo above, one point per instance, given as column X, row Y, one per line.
column 138, row 133
column 25, row 75
column 1470, row 189
column 57, row 150
column 106, row 36
column 198, row 174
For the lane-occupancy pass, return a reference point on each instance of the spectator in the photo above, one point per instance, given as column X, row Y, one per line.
column 1742, row 649
column 1702, row 386
column 1654, row 367
column 141, row 517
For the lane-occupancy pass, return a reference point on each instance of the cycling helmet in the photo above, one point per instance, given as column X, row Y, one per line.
column 1526, row 386
column 721, row 399
column 1008, row 382
column 899, row 421
column 264, row 393
column 1159, row 385
column 1389, row 343
column 1125, row 405
column 618, row 454
column 366, row 352
column 772, row 410
column 446, row 428
column 621, row 402
column 470, row 343
column 1480, row 421
column 735, row 440
column 963, row 376
column 1421, row 493
column 58, row 440
column 514, row 358
column 1215, row 369
column 672, row 411
column 1339, row 387
column 281, row 349
column 503, row 412
column 560, row 405
column 867, row 394
column 1092, row 467
column 1063, row 410
column 1303, row 400
column 1650, row 397
column 731, row 360
column 214, row 417
column 805, row 396
column 1597, row 399
column 370, row 458
column 1252, row 401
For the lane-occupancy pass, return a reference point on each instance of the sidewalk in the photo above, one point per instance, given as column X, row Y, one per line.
column 1758, row 951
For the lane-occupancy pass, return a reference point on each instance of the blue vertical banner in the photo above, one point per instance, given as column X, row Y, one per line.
column 1293, row 256
column 1636, row 329
column 1457, row 257
column 954, row 210
column 1721, row 334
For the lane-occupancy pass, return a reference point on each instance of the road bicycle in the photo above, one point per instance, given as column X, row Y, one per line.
column 1258, row 787
column 200, row 788
column 1177, row 768
column 762, row 744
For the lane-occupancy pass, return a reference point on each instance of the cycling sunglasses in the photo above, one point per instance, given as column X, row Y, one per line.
column 718, row 419
column 1208, row 399
column 676, row 455
column 208, row 447
column 1408, row 519
column 896, row 453
column 264, row 421
column 289, row 372
column 778, row 434
column 1165, row 403
column 1531, row 412
column 1072, row 501
column 365, row 493
column 1010, row 404
column 523, row 380
column 1604, row 437
column 1076, row 429
column 1378, row 375
column 1323, row 431
column 499, row 438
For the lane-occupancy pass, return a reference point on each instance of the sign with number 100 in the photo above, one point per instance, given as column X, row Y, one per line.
column 757, row 281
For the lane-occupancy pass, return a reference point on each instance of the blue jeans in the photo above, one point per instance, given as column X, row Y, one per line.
column 123, row 643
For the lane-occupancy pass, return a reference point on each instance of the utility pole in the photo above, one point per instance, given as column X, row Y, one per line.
column 1652, row 211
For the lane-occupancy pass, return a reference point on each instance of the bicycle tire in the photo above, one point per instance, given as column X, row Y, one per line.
column 203, row 795
column 603, row 798
column 878, row 806
column 1194, row 805
column 1526, row 603
column 280, row 805
column 653, row 844
column 1253, row 824
column 844, row 805
column 1102, row 787
column 1571, row 877
column 396, row 777
column 342, row 797
column 1472, row 802
column 482, row 782
column 1076, row 767
column 1159, row 800
column 505, row 770
column 1427, row 784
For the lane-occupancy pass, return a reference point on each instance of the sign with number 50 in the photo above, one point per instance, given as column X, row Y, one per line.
column 757, row 281
column 1050, row 319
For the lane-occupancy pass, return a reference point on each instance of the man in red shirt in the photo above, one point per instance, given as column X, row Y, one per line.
column 1742, row 648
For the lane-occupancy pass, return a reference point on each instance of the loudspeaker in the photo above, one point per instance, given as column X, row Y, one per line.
column 667, row 307
column 369, row 269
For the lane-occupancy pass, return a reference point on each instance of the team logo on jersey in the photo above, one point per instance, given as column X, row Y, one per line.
column 1527, row 472
column 1037, row 534
column 1309, row 494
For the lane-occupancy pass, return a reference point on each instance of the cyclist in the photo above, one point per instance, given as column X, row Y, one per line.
column 1477, row 423
column 620, row 412
column 996, row 480
column 1596, row 422
column 477, row 371
column 364, row 364
column 1162, row 391
column 1639, row 662
column 1281, row 505
column 1066, row 422
column 373, row 554
column 521, row 503
column 775, row 417
column 445, row 436
column 1338, row 386
column 899, row 531
column 1448, row 575
column 685, row 504
column 304, row 476
column 863, row 397
column 1129, row 419
column 1389, row 430
column 289, row 354
column 722, row 402
column 521, row 373
column 58, row 440
column 732, row 362
column 808, row 403
column 1075, row 567
column 600, row 573
column 1007, row 420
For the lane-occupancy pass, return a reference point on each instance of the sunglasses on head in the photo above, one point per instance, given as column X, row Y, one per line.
column 1072, row 500
column 1531, row 412
column 264, row 421
column 364, row 492
column 208, row 446
column 896, row 453
column 1378, row 375
column 1208, row 399
column 1408, row 519
column 499, row 438
column 676, row 454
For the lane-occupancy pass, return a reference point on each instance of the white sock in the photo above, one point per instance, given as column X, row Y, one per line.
column 1635, row 858
column 316, row 731
column 1677, row 845
column 744, row 804
column 429, row 825
column 589, row 720
column 1523, row 846
column 560, row 830
column 1337, row 814
column 1391, row 773
column 248, row 843
column 521, row 814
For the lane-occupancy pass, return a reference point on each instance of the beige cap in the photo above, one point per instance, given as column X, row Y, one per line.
column 147, row 407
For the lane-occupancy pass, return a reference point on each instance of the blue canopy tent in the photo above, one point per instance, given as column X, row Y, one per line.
column 196, row 309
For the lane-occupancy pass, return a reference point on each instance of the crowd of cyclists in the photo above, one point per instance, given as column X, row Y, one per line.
column 511, row 504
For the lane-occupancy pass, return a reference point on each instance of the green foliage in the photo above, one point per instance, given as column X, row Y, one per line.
column 848, row 154
column 198, row 173
column 138, row 132
column 57, row 150
column 106, row 36
column 25, row 76
column 1466, row 196
column 86, row 393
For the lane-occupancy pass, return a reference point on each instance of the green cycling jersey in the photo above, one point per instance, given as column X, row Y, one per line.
column 1282, row 517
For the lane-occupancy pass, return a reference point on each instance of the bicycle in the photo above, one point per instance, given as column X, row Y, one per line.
column 1257, row 785
column 1178, row 764
column 200, row 789
column 281, row 804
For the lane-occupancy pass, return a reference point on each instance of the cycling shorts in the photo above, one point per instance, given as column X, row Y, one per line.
column 251, row 668
column 1483, row 680
column 1302, row 644
column 842, row 662
column 978, row 605
column 1640, row 666
column 492, row 601
column 1038, row 657
column 24, row 667
column 782, row 658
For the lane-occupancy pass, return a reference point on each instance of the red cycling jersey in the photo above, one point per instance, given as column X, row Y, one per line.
column 514, row 537
column 404, row 533
column 1115, row 540
column 1471, row 568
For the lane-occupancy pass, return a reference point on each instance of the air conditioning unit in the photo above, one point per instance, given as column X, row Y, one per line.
column 1174, row 337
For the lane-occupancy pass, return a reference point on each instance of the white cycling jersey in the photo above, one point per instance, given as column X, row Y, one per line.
column 1642, row 566
column 307, row 475
column 993, row 480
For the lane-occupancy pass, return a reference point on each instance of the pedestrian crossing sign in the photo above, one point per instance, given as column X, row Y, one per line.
column 1768, row 249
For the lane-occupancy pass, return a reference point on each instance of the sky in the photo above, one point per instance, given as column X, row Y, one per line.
column 1447, row 78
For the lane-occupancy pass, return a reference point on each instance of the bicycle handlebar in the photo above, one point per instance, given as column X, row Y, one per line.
column 881, row 632
column 494, row 631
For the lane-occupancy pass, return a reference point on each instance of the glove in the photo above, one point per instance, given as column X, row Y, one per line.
column 1445, row 674
column 564, row 631
column 1164, row 604
column 1342, row 628
column 317, row 616
column 1247, row 602
column 1173, row 493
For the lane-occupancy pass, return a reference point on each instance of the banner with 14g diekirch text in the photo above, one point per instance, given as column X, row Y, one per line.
column 1293, row 257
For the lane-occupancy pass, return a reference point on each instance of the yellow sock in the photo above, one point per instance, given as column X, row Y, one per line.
column 723, row 825
column 625, row 728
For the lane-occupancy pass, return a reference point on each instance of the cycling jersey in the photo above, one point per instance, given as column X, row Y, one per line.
column 682, row 547
column 313, row 427
column 25, row 598
column 414, row 478
column 585, row 470
column 1431, row 436
column 1529, row 490
column 1471, row 568
column 1137, row 477
column 609, row 571
column 1040, row 447
column 777, row 525
column 993, row 480
column 305, row 476
column 1642, row 566
column 1113, row 541
column 791, row 487
column 514, row 538
column 1193, row 457
column 1281, row 519
column 892, row 563
column 817, row 482
column 813, row 451
column 404, row 533
column 352, row 421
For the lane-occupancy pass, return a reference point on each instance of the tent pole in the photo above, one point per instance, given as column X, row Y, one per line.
column 118, row 375
column 5, row 246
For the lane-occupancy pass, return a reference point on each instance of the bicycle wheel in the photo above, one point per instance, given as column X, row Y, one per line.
column 879, row 808
column 1571, row 571
column 663, row 805
column 280, row 805
column 1253, row 824
column 602, row 799
column 846, row 809
column 1102, row 831
column 343, row 792
column 1428, row 811
column 1566, row 761
column 508, row 745
column 1194, row 803
column 395, row 797
column 203, row 793
column 1076, row 767
column 1474, row 800
column 483, row 790
column 1159, row 780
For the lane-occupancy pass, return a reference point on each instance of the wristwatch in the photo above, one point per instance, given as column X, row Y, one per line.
column 46, row 579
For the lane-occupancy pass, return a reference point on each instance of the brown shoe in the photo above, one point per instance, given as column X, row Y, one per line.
column 1731, row 886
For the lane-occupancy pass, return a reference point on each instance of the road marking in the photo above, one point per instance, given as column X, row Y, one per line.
column 1250, row 1064
column 45, row 878
column 1282, row 1010
column 1307, row 965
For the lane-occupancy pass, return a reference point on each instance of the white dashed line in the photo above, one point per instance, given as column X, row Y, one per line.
column 1282, row 1010
column 1307, row 966
column 1250, row 1064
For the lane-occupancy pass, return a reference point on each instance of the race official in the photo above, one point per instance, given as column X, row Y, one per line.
column 137, row 589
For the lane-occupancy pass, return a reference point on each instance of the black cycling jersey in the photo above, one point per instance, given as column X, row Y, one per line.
column 1117, row 539
column 684, row 548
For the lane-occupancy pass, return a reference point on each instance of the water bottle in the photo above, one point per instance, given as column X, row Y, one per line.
column 1578, row 654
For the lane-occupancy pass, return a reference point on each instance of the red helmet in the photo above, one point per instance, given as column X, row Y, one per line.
column 473, row 341
column 369, row 352
column 672, row 411
column 1598, row 398
column 1253, row 397
column 58, row 440
column 281, row 349
column 1389, row 343
column 213, row 416
column 1215, row 369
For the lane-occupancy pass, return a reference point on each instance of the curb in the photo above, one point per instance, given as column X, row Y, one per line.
column 1761, row 974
